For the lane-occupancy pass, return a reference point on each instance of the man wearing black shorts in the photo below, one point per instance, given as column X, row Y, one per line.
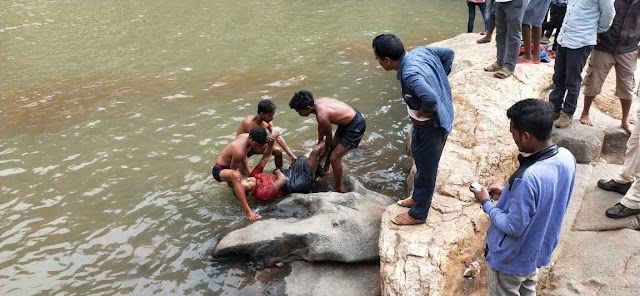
column 328, row 111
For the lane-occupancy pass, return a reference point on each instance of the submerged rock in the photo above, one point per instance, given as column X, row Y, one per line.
column 328, row 226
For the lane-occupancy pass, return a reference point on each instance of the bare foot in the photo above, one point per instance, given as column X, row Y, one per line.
column 626, row 126
column 522, row 60
column 584, row 119
column 536, row 59
column 252, row 216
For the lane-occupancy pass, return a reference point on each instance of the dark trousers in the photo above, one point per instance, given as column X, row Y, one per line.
column 556, row 17
column 567, row 79
column 427, row 143
column 472, row 15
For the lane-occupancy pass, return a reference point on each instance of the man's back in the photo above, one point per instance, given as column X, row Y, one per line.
column 337, row 112
column 527, row 220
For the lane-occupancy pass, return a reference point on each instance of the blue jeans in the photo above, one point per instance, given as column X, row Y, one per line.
column 567, row 79
column 472, row 15
column 509, row 32
column 427, row 143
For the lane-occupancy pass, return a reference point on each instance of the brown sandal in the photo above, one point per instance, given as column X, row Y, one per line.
column 407, row 202
column 503, row 73
column 405, row 219
column 494, row 67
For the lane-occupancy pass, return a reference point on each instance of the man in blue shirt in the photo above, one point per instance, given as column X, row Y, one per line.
column 582, row 22
column 425, row 89
column 526, row 221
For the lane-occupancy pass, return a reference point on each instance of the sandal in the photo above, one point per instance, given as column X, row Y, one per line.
column 483, row 40
column 407, row 202
column 503, row 73
column 493, row 68
column 405, row 219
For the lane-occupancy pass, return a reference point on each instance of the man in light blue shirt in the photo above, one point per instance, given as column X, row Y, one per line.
column 425, row 89
column 582, row 22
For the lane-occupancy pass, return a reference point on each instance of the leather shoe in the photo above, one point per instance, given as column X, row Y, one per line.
column 612, row 185
column 620, row 211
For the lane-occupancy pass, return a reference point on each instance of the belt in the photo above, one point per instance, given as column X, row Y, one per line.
column 418, row 122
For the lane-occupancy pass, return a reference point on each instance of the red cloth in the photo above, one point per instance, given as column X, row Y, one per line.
column 265, row 189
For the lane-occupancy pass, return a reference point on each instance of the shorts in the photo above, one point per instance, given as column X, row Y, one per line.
column 216, row 171
column 536, row 12
column 300, row 176
column 351, row 134
column 600, row 64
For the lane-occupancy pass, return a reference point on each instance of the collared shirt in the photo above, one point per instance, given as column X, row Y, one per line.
column 584, row 20
column 425, row 86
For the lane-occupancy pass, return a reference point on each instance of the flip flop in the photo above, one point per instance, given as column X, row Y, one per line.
column 407, row 202
column 405, row 219
column 482, row 40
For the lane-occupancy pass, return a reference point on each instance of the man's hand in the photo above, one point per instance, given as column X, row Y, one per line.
column 271, row 141
column 252, row 216
column 495, row 191
column 480, row 194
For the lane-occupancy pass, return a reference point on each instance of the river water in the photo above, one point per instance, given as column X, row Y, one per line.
column 113, row 113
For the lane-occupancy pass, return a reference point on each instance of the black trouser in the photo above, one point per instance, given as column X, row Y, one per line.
column 556, row 17
column 567, row 79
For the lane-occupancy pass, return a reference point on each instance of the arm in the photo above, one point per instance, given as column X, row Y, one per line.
column 521, row 209
column 324, row 133
column 607, row 12
column 239, row 161
column 446, row 57
column 265, row 158
column 419, row 87
column 284, row 146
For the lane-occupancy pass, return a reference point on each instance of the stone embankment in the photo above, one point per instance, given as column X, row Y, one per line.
column 430, row 259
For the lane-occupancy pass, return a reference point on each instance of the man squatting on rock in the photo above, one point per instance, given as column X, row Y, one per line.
column 264, row 118
column 526, row 221
column 425, row 89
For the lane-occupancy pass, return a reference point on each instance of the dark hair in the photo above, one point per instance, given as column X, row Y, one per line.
column 258, row 134
column 266, row 106
column 301, row 100
column 388, row 45
column 532, row 116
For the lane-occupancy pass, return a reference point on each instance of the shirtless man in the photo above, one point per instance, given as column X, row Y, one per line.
column 234, row 158
column 298, row 178
column 351, row 127
column 266, row 111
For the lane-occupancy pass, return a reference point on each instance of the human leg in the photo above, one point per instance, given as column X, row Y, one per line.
column 576, row 60
column 427, row 144
column 536, row 33
column 631, row 168
column 526, row 40
column 485, row 19
column 503, row 284
column 472, row 16
column 490, row 18
column 277, row 156
column 336, row 162
column 501, row 33
column 600, row 64
column 625, row 65
column 513, row 21
column 314, row 155
column 556, row 97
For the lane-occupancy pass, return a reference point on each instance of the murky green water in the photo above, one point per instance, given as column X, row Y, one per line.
column 113, row 112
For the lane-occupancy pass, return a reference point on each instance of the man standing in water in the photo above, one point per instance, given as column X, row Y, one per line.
column 264, row 117
column 234, row 157
column 351, row 127
column 425, row 88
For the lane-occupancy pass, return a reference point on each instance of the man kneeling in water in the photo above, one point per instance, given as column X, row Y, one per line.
column 298, row 178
